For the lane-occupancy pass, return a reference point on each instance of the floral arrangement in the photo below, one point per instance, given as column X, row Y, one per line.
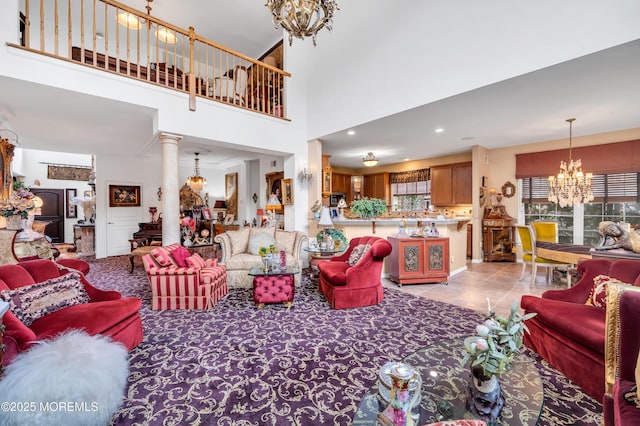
column 334, row 234
column 496, row 344
column 188, row 225
column 272, row 249
column 20, row 203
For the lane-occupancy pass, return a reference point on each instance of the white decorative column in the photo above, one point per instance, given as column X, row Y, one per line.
column 170, row 189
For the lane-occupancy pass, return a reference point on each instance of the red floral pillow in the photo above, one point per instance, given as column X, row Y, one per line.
column 598, row 294
column 180, row 255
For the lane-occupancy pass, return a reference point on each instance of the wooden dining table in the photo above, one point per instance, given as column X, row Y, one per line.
column 567, row 253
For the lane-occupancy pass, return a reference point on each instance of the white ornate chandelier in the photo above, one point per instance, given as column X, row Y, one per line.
column 302, row 18
column 196, row 182
column 571, row 185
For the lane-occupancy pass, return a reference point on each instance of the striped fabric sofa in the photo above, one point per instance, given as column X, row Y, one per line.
column 198, row 285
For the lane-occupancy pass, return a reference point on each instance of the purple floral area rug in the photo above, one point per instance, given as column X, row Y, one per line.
column 236, row 364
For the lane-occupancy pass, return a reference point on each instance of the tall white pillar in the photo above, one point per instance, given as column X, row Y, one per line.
column 170, row 189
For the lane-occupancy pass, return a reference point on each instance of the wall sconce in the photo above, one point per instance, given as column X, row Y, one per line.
column 159, row 193
column 255, row 197
column 304, row 176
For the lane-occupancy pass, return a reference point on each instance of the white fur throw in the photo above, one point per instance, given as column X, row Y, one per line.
column 73, row 379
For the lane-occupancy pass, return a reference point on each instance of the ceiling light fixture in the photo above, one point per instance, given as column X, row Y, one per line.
column 133, row 22
column 370, row 160
column 571, row 185
column 439, row 130
column 196, row 182
column 351, row 132
column 302, row 18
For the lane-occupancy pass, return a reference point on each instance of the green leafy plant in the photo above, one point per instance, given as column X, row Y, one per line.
column 368, row 207
column 496, row 344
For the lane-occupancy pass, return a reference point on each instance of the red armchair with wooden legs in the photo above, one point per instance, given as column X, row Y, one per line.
column 352, row 279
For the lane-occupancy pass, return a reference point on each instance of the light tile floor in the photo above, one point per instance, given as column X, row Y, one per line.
column 497, row 280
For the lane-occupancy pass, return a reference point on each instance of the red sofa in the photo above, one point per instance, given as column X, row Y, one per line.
column 107, row 312
column 346, row 286
column 569, row 334
column 623, row 343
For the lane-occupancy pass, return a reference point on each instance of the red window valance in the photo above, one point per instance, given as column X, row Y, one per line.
column 620, row 157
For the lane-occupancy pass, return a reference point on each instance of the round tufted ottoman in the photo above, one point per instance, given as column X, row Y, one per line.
column 273, row 289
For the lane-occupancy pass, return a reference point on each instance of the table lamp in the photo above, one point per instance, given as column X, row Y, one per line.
column 273, row 203
column 325, row 218
column 342, row 204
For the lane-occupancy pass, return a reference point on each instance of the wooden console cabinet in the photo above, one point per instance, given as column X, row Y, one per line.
column 498, row 236
column 418, row 260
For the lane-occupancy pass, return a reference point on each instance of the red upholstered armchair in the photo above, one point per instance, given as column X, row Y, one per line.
column 621, row 354
column 346, row 286
column 570, row 334
column 48, row 286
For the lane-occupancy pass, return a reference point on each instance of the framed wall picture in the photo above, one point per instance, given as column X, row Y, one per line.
column 231, row 193
column 274, row 186
column 72, row 209
column 287, row 191
column 124, row 196
column 326, row 181
column 6, row 179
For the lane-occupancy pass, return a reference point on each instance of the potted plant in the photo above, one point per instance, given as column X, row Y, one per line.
column 491, row 352
column 368, row 207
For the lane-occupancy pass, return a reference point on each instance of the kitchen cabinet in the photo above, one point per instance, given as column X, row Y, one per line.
column 341, row 183
column 418, row 260
column 377, row 186
column 451, row 184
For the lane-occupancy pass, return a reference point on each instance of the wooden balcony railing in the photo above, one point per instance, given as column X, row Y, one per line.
column 113, row 37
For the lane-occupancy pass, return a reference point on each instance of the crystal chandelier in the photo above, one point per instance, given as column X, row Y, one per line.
column 196, row 182
column 302, row 18
column 571, row 185
column 370, row 160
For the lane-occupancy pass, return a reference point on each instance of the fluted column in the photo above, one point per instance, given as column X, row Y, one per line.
column 170, row 189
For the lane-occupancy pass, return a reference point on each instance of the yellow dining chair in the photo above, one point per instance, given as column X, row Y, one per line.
column 546, row 231
column 529, row 256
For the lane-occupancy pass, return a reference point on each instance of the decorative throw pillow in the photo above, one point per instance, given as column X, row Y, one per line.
column 195, row 261
column 358, row 253
column 180, row 254
column 260, row 239
column 271, row 230
column 598, row 295
column 34, row 301
column 162, row 256
column 285, row 240
column 239, row 240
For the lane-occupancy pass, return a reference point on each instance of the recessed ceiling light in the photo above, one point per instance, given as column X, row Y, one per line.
column 351, row 132
column 406, row 159
column 468, row 138
column 439, row 130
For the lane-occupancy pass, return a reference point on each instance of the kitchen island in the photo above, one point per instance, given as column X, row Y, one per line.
column 455, row 229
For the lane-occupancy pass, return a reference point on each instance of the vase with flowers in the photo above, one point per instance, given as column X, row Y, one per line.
column 188, row 229
column 267, row 254
column 17, row 208
column 490, row 353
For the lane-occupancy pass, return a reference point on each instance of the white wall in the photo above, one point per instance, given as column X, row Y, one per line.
column 358, row 73
column 29, row 163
